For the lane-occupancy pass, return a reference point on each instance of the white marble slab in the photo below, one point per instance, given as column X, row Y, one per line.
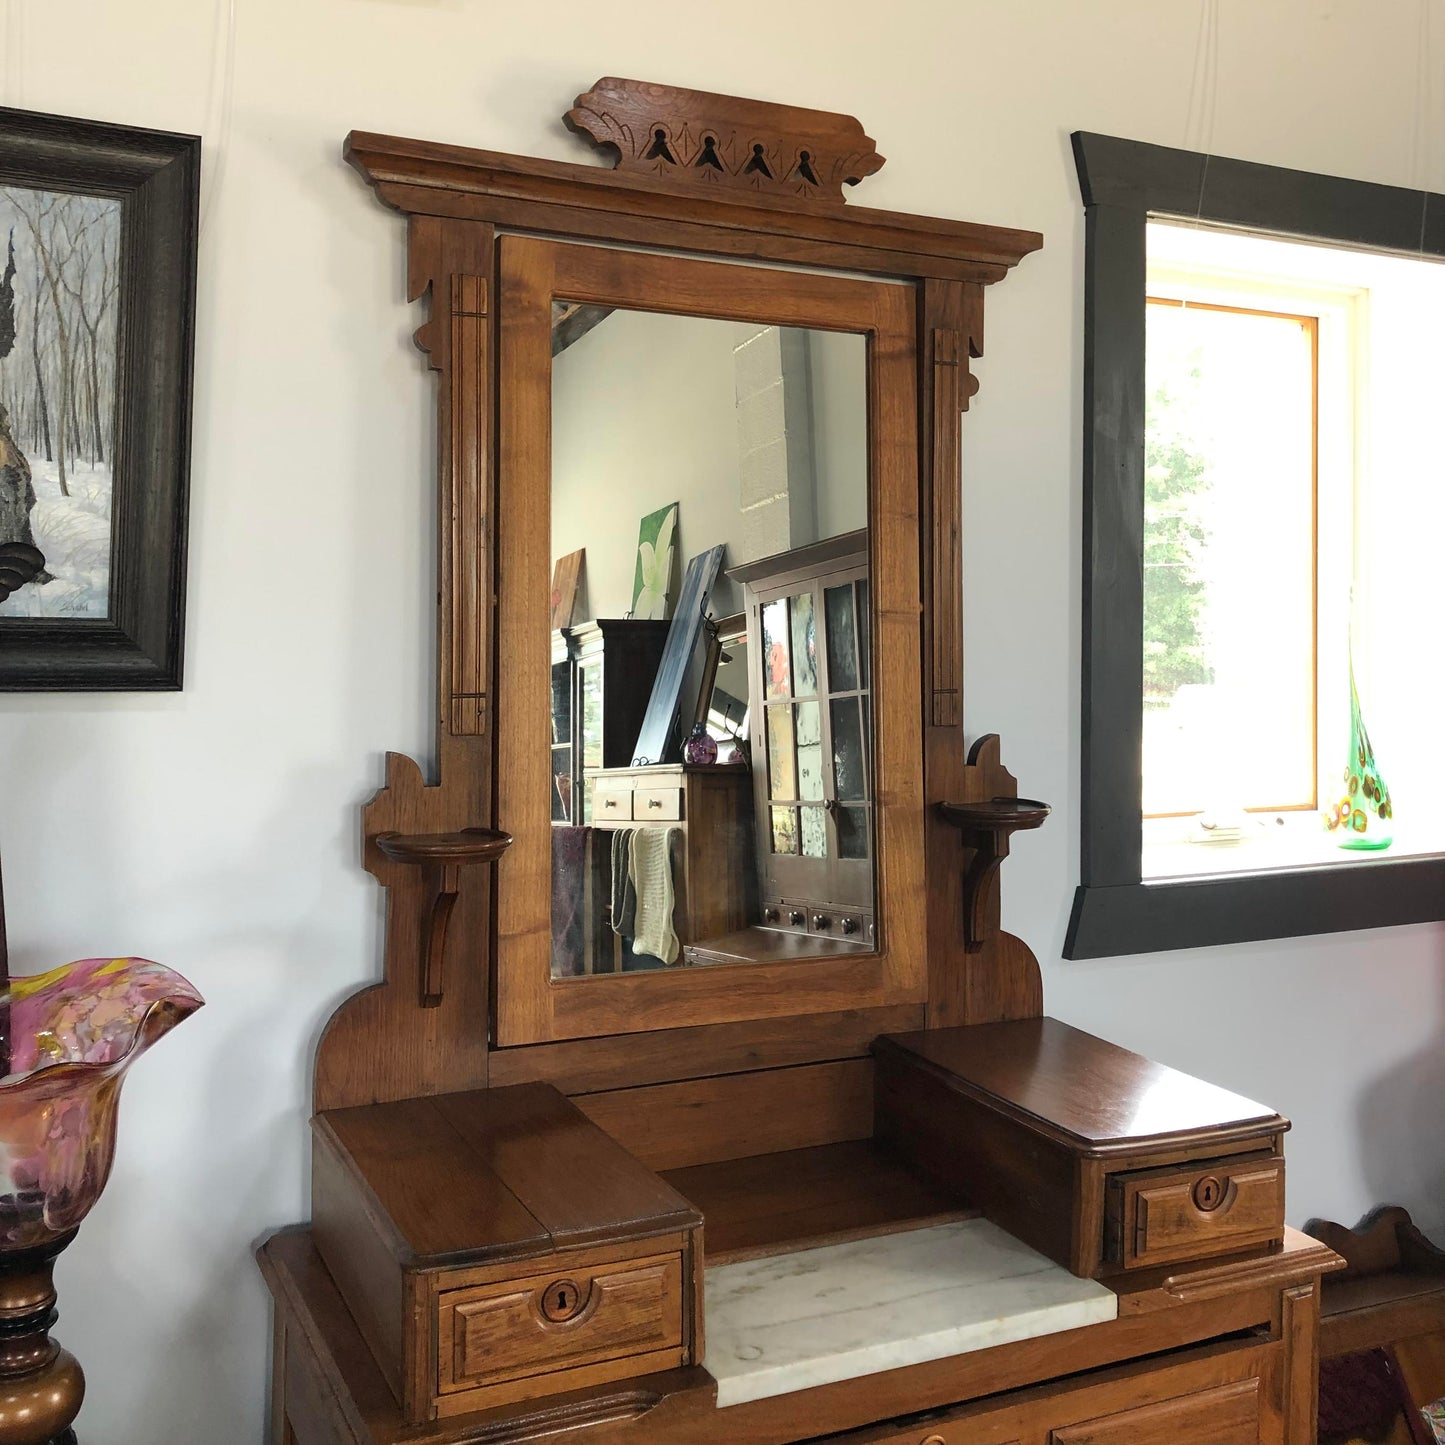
column 792, row 1321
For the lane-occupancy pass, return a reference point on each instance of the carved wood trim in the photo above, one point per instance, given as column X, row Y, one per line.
column 945, row 618
column 1385, row 1239
column 972, row 329
column 1299, row 1329
column 694, row 139
column 470, row 550
column 424, row 178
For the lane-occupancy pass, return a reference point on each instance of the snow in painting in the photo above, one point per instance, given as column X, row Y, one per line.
column 58, row 310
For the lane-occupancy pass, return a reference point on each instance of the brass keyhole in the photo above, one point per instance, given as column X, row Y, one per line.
column 1208, row 1193
column 561, row 1300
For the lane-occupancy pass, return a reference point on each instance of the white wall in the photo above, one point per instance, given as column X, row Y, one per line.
column 643, row 415
column 217, row 829
column 650, row 409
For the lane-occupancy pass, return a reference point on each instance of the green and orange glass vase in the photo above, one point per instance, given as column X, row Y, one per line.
column 1363, row 815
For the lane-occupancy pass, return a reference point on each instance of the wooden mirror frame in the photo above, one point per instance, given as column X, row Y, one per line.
column 432, row 1024
column 532, row 1006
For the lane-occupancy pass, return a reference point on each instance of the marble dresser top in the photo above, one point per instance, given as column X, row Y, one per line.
column 791, row 1321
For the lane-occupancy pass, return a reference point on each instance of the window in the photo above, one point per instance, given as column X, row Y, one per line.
column 1260, row 513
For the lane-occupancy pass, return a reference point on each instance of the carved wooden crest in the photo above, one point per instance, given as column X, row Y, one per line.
column 691, row 138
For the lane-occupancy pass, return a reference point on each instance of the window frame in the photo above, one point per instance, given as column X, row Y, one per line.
column 1124, row 184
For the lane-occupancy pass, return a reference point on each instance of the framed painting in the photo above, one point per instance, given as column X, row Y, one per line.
column 98, row 229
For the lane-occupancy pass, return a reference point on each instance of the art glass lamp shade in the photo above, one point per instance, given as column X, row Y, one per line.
column 71, row 1034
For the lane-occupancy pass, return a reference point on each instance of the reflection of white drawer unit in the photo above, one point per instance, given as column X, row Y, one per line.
column 715, row 868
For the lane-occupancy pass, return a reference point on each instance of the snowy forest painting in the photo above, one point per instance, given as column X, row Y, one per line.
column 59, row 304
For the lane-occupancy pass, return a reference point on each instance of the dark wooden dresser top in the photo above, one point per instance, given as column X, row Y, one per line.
column 1070, row 1085
column 496, row 1174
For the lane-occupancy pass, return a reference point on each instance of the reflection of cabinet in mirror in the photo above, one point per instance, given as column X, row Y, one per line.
column 707, row 814
column 809, row 635
column 602, row 676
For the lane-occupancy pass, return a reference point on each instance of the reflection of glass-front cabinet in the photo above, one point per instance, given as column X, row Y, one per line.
column 602, row 676
column 811, row 723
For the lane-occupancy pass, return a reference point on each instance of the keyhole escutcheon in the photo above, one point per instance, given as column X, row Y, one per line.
column 561, row 1300
column 1208, row 1193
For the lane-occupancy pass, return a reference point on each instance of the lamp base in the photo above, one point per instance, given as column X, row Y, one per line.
column 41, row 1385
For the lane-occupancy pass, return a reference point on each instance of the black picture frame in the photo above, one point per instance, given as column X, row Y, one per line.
column 155, row 175
column 1123, row 184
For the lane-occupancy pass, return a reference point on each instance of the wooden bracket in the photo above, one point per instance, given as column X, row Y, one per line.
column 986, row 825
column 441, row 856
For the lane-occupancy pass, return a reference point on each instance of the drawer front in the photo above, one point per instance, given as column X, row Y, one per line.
column 612, row 804
column 1160, row 1216
column 490, row 1334
column 1228, row 1415
column 657, row 805
column 941, row 1434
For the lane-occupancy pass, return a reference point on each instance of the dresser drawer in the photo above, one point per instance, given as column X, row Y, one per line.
column 1228, row 1415
column 1160, row 1216
column 613, row 1316
column 657, row 805
column 611, row 804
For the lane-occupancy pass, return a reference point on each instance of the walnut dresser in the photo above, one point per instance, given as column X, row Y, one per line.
column 793, row 1187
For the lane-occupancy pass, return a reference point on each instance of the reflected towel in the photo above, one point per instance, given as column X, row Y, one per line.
column 624, row 895
column 570, row 848
column 651, row 873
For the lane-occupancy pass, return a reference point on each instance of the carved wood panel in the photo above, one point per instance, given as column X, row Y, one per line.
column 693, row 138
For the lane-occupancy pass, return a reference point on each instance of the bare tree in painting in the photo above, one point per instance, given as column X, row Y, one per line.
column 42, row 409
column 92, row 291
column 58, row 227
column 17, row 490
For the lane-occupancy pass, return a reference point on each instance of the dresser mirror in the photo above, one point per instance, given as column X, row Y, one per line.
column 679, row 840
column 693, row 759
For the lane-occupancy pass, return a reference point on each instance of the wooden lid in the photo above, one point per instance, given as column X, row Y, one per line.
column 497, row 1174
column 1094, row 1096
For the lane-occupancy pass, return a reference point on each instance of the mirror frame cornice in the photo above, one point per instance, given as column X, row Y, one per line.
column 420, row 1030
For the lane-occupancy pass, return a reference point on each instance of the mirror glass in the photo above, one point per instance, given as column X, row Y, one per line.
column 711, row 729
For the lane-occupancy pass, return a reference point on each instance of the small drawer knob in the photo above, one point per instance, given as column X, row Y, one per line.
column 796, row 918
column 609, row 802
column 1208, row 1193
column 770, row 915
column 821, row 921
column 849, row 925
column 654, row 802
column 561, row 1300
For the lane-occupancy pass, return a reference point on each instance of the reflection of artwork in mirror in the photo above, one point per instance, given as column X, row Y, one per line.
column 725, row 710
column 565, row 576
column 753, row 439
column 652, row 581
column 658, row 733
